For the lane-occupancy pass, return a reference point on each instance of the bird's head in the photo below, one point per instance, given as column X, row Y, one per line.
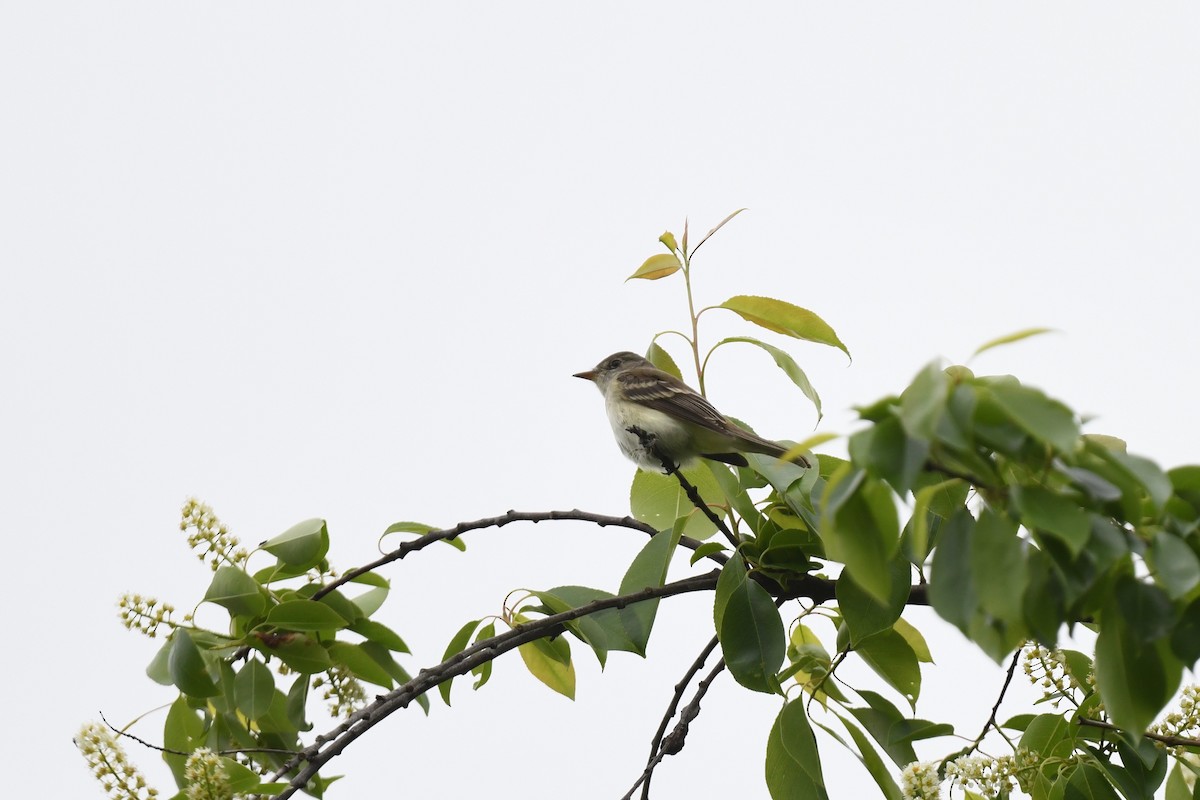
column 603, row 372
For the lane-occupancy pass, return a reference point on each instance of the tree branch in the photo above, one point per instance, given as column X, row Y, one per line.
column 446, row 534
column 330, row 745
column 234, row 751
column 1169, row 741
column 680, row 688
column 673, row 743
column 991, row 721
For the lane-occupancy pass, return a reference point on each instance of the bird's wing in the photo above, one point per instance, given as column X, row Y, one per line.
column 664, row 392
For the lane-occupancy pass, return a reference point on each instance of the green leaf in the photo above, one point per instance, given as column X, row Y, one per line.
column 924, row 401
column 1185, row 639
column 1054, row 514
column 952, row 591
column 933, row 503
column 649, row 569
column 786, row 363
column 483, row 672
column 871, row 760
column 422, row 529
column 1174, row 563
column 782, row 317
column 732, row 576
column 236, row 591
column 793, row 767
column 1146, row 472
column 860, row 528
column 887, row 452
column 657, row 266
column 752, row 637
column 1045, row 419
column 1136, row 673
column 381, row 634
column 187, row 667
column 369, row 601
column 253, row 688
column 305, row 615
column 735, row 495
column 1010, row 338
column 354, row 658
column 612, row 634
column 158, row 670
column 893, row 659
column 668, row 240
column 458, row 643
column 297, row 704
column 866, row 614
column 550, row 662
column 705, row 550
column 242, row 779
column 182, row 732
column 998, row 569
column 585, row 629
column 302, row 545
column 659, row 500
column 661, row 359
column 1089, row 783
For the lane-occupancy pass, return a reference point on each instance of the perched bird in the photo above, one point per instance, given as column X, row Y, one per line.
column 682, row 424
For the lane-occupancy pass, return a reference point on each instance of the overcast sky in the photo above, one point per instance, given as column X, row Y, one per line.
column 341, row 260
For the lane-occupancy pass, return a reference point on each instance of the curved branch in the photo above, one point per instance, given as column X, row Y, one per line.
column 330, row 745
column 499, row 521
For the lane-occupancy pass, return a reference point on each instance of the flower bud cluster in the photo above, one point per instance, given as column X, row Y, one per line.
column 1047, row 669
column 343, row 691
column 920, row 781
column 210, row 538
column 109, row 764
column 147, row 614
column 992, row 777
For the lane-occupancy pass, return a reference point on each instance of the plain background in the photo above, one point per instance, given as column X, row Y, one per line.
column 306, row 260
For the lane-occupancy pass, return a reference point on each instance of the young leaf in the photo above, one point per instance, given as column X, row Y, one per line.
column 783, row 317
column 550, row 662
column 1010, row 338
column 661, row 359
column 793, row 767
column 305, row 615
column 668, row 240
column 458, row 643
column 715, row 228
column 649, row 568
column 657, row 266
column 786, row 363
column 422, row 528
column 659, row 500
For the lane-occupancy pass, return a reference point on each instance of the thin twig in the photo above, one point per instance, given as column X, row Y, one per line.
column 649, row 441
column 680, row 688
column 332, row 744
column 499, row 521
column 1169, row 741
column 674, row 742
column 991, row 721
column 126, row 734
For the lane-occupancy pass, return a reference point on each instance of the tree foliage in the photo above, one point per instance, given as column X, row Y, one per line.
column 978, row 495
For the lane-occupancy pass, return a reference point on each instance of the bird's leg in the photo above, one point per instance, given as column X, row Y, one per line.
column 650, row 442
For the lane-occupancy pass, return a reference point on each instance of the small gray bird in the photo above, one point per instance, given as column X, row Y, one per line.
column 683, row 424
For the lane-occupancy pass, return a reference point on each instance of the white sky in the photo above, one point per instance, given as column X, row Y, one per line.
column 341, row 261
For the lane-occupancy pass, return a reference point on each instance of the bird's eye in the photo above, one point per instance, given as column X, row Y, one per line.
column 616, row 362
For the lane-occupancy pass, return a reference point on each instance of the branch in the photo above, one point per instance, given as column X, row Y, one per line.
column 332, row 744
column 1170, row 741
column 674, row 743
column 446, row 534
column 126, row 734
column 991, row 721
column 649, row 441
column 655, row 754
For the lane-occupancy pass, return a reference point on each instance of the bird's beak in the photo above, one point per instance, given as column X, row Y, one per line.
column 590, row 375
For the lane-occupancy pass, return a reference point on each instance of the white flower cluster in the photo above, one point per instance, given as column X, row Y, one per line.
column 109, row 764
column 991, row 777
column 1185, row 722
column 919, row 781
column 206, row 777
column 209, row 537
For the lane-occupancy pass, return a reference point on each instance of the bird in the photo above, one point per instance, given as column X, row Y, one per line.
column 653, row 410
